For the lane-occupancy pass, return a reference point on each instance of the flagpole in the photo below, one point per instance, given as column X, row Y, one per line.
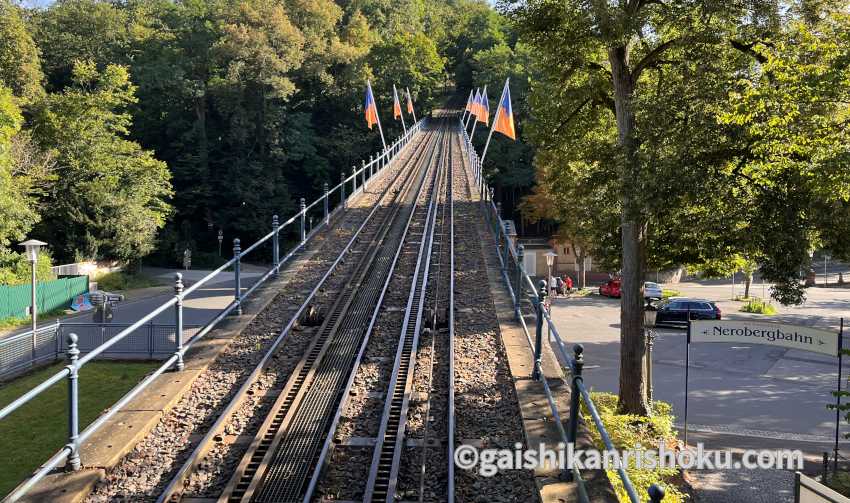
column 378, row 117
column 465, row 110
column 466, row 124
column 412, row 110
column 400, row 112
column 493, row 125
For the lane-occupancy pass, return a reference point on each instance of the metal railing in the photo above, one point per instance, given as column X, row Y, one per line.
column 520, row 286
column 358, row 180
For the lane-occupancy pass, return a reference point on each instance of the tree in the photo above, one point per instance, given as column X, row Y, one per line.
column 17, row 208
column 655, row 77
column 110, row 196
column 20, row 65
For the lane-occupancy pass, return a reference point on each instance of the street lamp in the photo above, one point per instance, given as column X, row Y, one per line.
column 31, row 248
column 649, row 314
column 550, row 261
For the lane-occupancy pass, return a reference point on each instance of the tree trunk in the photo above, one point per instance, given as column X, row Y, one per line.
column 581, row 258
column 749, row 281
column 633, row 385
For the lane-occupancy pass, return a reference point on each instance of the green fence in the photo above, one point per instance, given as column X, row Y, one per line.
column 50, row 295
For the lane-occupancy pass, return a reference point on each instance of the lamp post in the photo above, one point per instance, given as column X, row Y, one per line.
column 550, row 261
column 31, row 248
column 649, row 314
column 825, row 277
column 220, row 239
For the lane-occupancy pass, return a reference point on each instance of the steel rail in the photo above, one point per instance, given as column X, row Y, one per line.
column 174, row 487
column 451, row 400
column 447, row 207
column 255, row 464
column 328, row 445
column 383, row 473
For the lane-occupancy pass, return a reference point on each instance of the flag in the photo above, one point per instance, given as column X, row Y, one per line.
column 485, row 108
column 476, row 103
column 469, row 102
column 504, row 121
column 396, row 104
column 409, row 101
column 370, row 108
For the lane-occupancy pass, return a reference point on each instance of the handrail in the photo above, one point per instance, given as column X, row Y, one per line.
column 573, row 364
column 70, row 452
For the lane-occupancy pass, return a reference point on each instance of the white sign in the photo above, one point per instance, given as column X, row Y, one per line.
column 769, row 334
column 809, row 490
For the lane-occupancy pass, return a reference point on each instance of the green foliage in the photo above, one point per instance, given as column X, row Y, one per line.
column 164, row 122
column 758, row 306
column 15, row 268
column 667, row 293
column 112, row 191
column 632, row 432
column 20, row 67
column 119, row 281
column 17, row 205
column 719, row 181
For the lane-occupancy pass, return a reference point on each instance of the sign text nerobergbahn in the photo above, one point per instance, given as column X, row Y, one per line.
column 770, row 334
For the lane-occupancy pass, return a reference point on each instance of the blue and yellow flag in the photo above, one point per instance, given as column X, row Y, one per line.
column 485, row 108
column 370, row 108
column 504, row 121
column 396, row 104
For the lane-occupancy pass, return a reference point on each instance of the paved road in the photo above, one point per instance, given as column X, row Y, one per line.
column 741, row 395
column 198, row 308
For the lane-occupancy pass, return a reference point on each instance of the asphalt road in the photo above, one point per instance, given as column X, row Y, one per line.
column 748, row 391
column 198, row 308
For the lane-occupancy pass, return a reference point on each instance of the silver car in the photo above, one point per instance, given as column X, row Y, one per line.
column 652, row 291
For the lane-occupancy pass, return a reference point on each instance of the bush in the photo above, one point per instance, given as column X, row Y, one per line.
column 670, row 293
column 758, row 306
column 15, row 268
column 628, row 432
column 116, row 281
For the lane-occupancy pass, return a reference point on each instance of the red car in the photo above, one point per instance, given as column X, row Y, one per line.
column 611, row 288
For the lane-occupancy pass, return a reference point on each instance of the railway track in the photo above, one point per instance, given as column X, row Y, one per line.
column 276, row 466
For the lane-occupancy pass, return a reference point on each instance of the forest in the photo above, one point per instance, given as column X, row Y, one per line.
column 135, row 129
column 652, row 134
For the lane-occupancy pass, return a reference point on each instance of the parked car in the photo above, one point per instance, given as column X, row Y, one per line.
column 675, row 311
column 611, row 288
column 652, row 291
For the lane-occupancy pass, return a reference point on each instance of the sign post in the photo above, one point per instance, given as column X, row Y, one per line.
column 838, row 396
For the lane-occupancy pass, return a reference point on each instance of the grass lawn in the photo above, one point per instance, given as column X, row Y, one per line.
column 33, row 433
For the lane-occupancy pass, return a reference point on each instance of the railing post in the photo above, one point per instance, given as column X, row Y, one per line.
column 520, row 254
column 538, row 339
column 363, row 172
column 303, row 221
column 178, row 320
column 575, row 393
column 354, row 180
column 327, row 206
column 73, row 403
column 342, row 190
column 276, row 243
column 237, row 280
column 150, row 339
column 656, row 493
